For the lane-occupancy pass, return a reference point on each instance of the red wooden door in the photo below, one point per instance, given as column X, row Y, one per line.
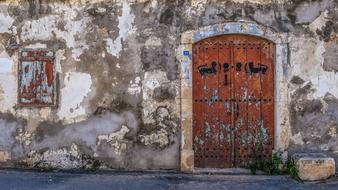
column 233, row 100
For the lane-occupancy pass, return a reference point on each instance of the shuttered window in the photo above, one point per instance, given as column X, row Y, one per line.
column 36, row 82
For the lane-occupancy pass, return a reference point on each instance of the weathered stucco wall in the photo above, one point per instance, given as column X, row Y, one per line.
column 119, row 85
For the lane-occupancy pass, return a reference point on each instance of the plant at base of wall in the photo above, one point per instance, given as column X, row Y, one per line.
column 275, row 166
column 292, row 170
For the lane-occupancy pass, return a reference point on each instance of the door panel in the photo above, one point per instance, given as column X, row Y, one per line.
column 198, row 114
column 209, row 72
column 267, row 85
column 253, row 68
column 240, row 91
column 224, row 104
column 233, row 107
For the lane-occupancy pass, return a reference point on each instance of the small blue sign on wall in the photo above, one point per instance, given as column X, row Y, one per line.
column 186, row 53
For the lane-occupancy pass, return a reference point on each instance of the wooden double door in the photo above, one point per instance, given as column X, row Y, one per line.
column 233, row 100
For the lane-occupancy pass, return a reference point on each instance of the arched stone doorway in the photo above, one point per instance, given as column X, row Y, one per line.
column 184, row 55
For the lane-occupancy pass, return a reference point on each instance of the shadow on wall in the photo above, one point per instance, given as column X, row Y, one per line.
column 105, row 141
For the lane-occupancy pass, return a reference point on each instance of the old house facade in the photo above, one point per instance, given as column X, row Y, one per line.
column 152, row 84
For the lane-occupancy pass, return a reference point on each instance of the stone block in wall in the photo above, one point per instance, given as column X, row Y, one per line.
column 314, row 166
column 187, row 161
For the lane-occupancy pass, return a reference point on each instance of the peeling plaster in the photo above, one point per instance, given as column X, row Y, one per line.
column 116, row 140
column 24, row 137
column 142, row 91
column 197, row 7
column 307, row 63
column 159, row 137
column 6, row 65
column 333, row 131
column 8, row 82
column 73, row 94
column 319, row 22
column 153, row 42
column 5, row 156
column 135, row 88
column 36, row 46
column 151, row 81
column 6, row 22
column 125, row 26
column 46, row 27
column 66, row 158
column 297, row 139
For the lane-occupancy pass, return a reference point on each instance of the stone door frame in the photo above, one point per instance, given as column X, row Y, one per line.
column 184, row 58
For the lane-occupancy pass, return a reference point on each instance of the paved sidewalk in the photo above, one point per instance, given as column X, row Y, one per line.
column 33, row 180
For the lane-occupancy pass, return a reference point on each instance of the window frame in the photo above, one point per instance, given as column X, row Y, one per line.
column 38, row 57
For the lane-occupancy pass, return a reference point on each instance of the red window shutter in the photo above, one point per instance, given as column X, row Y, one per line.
column 44, row 83
column 36, row 78
column 27, row 82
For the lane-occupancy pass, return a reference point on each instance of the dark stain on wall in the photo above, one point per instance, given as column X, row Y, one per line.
column 297, row 80
column 164, row 92
column 325, row 32
column 162, row 58
column 331, row 57
column 315, row 121
column 167, row 16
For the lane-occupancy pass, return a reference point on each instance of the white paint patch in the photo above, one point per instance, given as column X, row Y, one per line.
column 135, row 88
column 137, row 80
column 333, row 131
column 319, row 22
column 8, row 91
column 125, row 26
column 150, row 6
column 40, row 29
column 197, row 8
column 59, row 56
column 5, row 156
column 116, row 140
column 297, row 139
column 160, row 137
column 6, row 65
column 45, row 113
column 45, row 28
column 151, row 81
column 37, row 45
column 327, row 82
column 5, row 23
column 153, row 42
column 8, row 83
column 101, row 10
column 66, row 158
column 114, row 84
column 77, row 87
column 307, row 62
